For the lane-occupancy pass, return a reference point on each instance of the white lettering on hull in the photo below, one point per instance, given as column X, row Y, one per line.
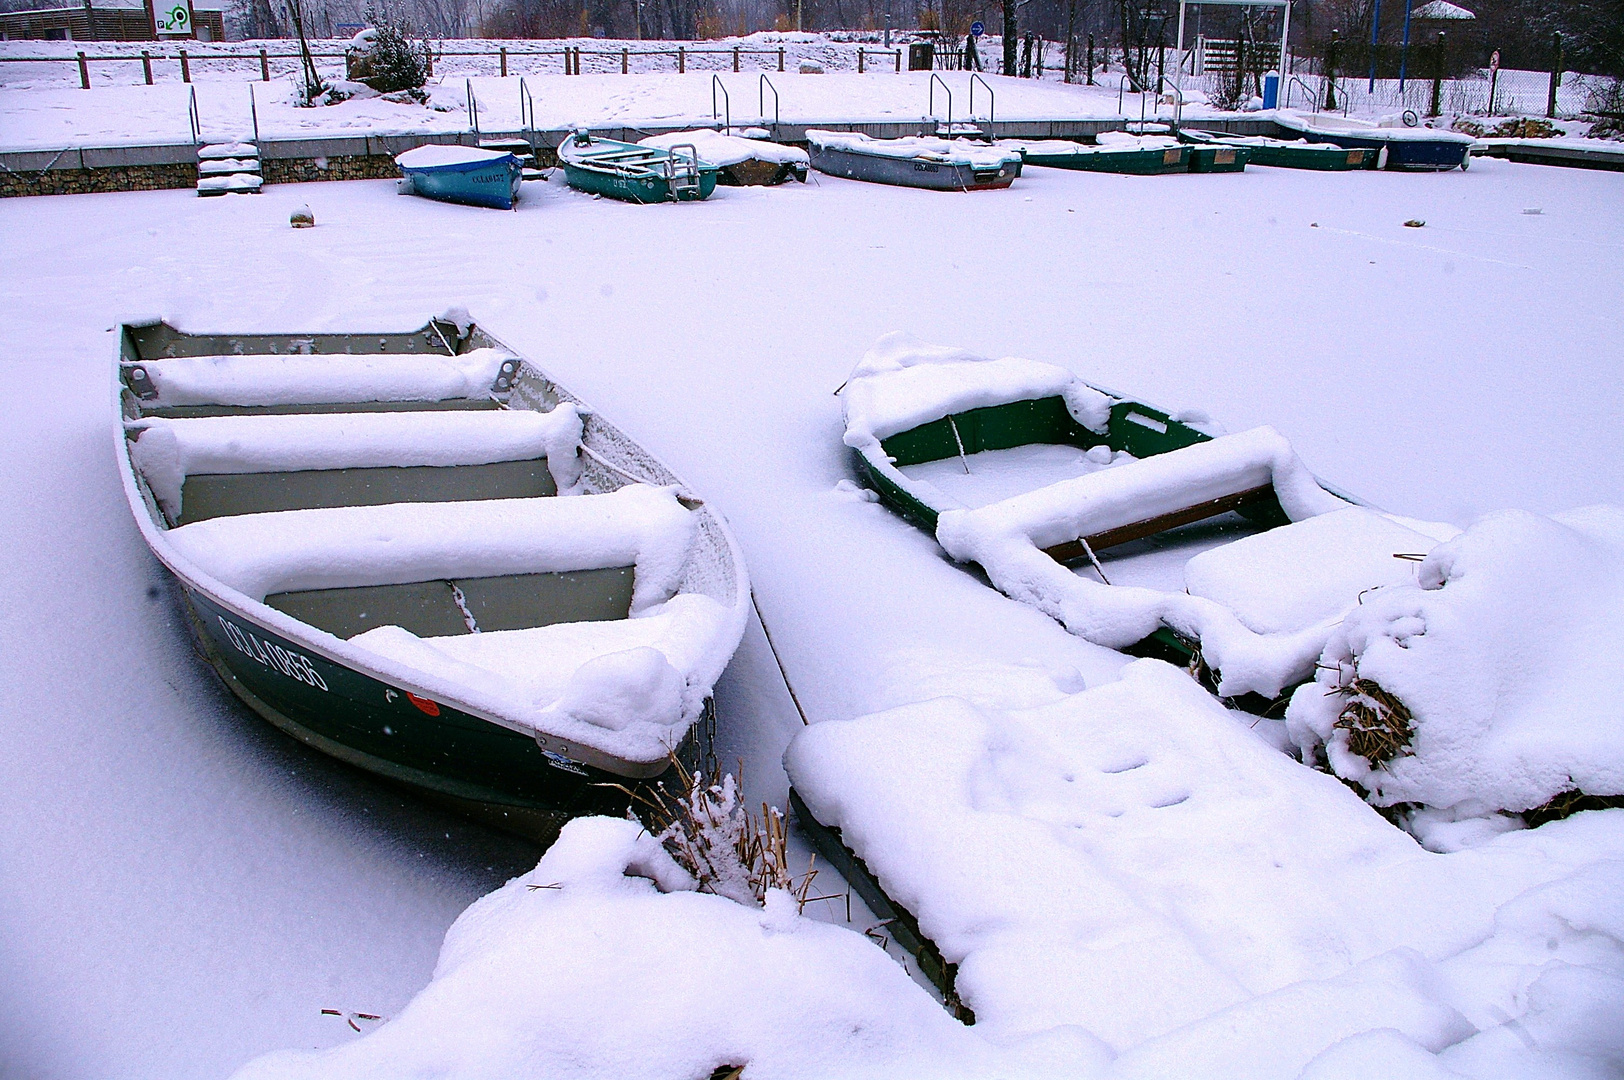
column 285, row 662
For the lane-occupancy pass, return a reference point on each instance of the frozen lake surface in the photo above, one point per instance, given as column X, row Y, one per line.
column 181, row 888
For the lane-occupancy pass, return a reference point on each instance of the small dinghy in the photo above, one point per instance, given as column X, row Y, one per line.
column 419, row 554
column 635, row 173
column 922, row 162
column 461, row 174
column 1300, row 154
column 1115, row 152
column 1134, row 528
column 1396, row 147
column 739, row 161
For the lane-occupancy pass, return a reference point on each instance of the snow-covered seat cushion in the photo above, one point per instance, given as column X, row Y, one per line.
column 1304, row 573
column 167, row 451
column 259, row 380
column 354, row 546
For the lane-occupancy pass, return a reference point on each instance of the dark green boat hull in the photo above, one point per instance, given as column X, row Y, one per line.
column 1172, row 159
column 493, row 773
column 1219, row 159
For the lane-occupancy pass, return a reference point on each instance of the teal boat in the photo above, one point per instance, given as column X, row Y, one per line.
column 1281, row 153
column 418, row 554
column 1218, row 158
column 635, row 173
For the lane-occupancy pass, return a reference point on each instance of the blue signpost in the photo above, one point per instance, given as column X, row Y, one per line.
column 976, row 28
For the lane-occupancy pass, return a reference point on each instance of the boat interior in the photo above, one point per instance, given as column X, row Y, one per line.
column 370, row 430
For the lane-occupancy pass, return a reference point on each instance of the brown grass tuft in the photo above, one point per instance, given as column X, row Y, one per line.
column 1379, row 725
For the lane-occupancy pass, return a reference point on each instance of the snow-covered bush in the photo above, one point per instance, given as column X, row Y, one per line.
column 390, row 60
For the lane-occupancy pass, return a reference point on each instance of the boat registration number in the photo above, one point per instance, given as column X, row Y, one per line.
column 284, row 661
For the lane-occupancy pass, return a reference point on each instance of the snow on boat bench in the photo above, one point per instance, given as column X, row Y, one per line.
column 938, row 431
column 277, row 380
column 474, row 553
column 200, row 467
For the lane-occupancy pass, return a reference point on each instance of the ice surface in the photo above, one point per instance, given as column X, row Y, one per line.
column 1499, row 650
column 165, row 846
column 166, row 451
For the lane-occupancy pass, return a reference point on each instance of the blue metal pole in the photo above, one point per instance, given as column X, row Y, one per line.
column 1375, row 31
column 1404, row 50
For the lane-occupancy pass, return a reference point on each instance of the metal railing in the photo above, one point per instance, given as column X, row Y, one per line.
column 473, row 110
column 727, row 114
column 197, row 122
column 761, row 98
column 992, row 102
column 527, row 107
column 936, row 80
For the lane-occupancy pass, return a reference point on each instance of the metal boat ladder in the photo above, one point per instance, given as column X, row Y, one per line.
column 682, row 173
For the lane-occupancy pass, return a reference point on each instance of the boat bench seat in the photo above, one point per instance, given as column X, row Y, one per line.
column 216, row 385
column 1140, row 498
column 349, row 569
column 206, row 467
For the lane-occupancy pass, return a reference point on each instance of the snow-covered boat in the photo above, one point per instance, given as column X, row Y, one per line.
column 419, row 554
column 1135, row 528
column 1286, row 154
column 921, row 161
column 739, row 161
column 461, row 174
column 635, row 173
column 1396, row 147
column 1113, row 152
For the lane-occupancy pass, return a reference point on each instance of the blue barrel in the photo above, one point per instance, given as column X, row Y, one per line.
column 1271, row 90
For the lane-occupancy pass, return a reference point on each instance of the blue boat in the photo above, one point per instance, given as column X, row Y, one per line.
column 461, row 174
column 1408, row 147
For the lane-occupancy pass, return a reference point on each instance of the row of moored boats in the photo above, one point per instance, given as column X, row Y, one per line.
column 687, row 166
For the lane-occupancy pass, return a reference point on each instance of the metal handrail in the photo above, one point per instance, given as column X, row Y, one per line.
column 1122, row 84
column 716, row 84
column 527, row 107
column 992, row 101
column 761, row 94
column 196, row 121
column 1310, row 94
column 253, row 111
column 1178, row 102
column 934, row 80
column 473, row 109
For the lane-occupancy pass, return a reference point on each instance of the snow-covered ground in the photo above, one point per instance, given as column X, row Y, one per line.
column 182, row 890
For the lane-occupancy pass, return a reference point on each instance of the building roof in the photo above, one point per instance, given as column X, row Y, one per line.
column 1441, row 10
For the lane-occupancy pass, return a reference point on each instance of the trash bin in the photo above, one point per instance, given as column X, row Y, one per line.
column 921, row 56
column 1271, row 90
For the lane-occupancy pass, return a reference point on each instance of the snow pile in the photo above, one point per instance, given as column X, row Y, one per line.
column 351, row 546
column 166, row 451
column 338, row 378
column 1135, row 862
column 902, row 382
column 924, row 147
column 1007, row 540
column 1502, row 653
column 714, row 148
column 438, row 155
column 602, row 962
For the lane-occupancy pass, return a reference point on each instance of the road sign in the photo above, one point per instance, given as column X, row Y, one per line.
column 174, row 18
column 976, row 28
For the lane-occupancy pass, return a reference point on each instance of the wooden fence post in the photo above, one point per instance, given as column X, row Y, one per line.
column 185, row 68
column 146, row 65
column 264, row 67
column 1437, row 75
column 682, row 60
column 504, row 61
column 84, row 73
column 780, row 58
column 899, row 61
column 860, row 59
column 625, row 61
column 735, row 58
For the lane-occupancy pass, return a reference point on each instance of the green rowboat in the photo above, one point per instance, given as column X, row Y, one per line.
column 635, row 173
column 1322, row 157
column 1132, row 159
